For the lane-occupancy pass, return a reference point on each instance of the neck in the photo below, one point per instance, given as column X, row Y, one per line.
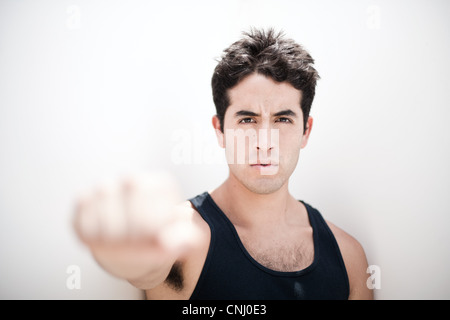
column 246, row 208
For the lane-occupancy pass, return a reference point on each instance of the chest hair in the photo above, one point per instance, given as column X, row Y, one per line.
column 286, row 255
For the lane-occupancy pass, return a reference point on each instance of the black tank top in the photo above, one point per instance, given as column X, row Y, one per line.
column 230, row 272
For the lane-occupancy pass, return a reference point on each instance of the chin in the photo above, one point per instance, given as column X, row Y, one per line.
column 264, row 185
column 257, row 183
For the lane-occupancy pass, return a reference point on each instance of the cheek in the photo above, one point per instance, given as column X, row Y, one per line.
column 290, row 144
column 289, row 152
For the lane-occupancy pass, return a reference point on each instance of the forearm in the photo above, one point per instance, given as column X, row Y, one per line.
column 140, row 266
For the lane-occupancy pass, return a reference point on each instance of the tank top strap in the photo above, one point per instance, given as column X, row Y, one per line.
column 327, row 248
column 204, row 207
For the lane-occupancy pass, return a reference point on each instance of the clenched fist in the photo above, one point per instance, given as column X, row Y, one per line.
column 136, row 227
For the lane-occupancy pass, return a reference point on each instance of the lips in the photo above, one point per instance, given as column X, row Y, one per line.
column 266, row 169
column 264, row 164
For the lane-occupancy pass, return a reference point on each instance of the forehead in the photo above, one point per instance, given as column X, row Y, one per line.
column 262, row 93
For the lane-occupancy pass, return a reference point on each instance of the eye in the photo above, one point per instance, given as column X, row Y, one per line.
column 246, row 120
column 287, row 120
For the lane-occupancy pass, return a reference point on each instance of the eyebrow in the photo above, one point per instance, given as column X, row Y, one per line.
column 287, row 112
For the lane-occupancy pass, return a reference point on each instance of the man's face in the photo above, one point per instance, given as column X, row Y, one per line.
column 268, row 114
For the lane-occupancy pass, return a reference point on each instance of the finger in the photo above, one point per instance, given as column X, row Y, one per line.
column 134, row 206
column 86, row 221
column 109, row 207
column 150, row 198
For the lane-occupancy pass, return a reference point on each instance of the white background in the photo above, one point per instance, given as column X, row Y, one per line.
column 93, row 89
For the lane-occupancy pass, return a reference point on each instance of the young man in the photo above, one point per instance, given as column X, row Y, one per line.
column 249, row 238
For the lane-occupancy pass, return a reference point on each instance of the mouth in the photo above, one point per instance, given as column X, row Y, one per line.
column 265, row 169
column 264, row 165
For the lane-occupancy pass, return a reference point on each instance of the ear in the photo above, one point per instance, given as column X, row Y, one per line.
column 219, row 134
column 305, row 137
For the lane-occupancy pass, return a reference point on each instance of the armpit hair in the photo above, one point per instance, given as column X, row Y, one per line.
column 175, row 277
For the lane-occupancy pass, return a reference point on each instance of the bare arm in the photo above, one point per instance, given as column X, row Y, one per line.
column 136, row 228
column 355, row 262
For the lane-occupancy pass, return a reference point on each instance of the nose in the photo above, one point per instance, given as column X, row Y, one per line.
column 267, row 143
column 263, row 144
column 267, row 139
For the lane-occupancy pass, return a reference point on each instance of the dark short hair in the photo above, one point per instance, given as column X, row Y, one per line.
column 268, row 53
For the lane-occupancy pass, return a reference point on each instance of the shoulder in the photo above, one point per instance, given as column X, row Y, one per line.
column 188, row 210
column 355, row 262
column 199, row 229
column 185, row 272
column 346, row 242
